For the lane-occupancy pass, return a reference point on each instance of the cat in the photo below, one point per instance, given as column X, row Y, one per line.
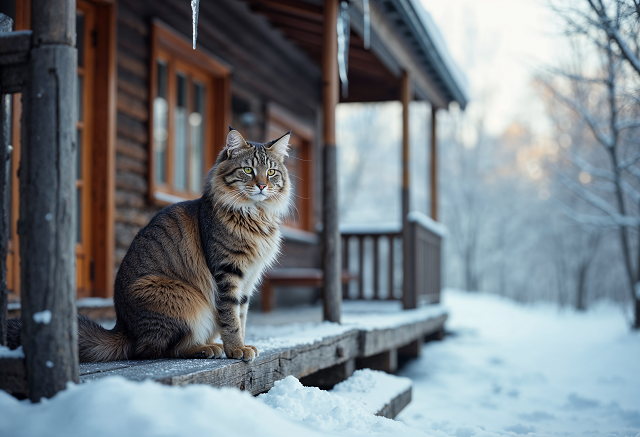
column 189, row 274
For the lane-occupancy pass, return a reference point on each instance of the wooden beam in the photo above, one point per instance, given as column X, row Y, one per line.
column 47, row 222
column 405, row 98
column 293, row 7
column 434, row 163
column 332, row 296
column 407, row 285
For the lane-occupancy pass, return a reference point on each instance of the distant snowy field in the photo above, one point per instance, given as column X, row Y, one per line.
column 527, row 369
column 508, row 370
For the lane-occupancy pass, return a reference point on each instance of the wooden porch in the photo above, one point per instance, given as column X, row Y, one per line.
column 294, row 342
column 386, row 319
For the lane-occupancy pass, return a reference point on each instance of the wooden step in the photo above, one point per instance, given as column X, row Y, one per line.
column 378, row 392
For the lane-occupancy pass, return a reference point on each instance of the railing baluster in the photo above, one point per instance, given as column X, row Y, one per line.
column 375, row 267
column 345, row 262
column 392, row 247
column 361, row 266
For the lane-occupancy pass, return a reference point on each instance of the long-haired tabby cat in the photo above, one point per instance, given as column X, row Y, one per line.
column 189, row 274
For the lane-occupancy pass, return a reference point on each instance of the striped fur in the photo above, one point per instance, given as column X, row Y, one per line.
column 189, row 274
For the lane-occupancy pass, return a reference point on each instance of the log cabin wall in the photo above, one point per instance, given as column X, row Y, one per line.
column 266, row 69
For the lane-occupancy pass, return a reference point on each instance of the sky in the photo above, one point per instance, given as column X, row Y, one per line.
column 499, row 44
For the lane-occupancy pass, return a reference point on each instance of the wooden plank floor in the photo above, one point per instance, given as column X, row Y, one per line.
column 298, row 349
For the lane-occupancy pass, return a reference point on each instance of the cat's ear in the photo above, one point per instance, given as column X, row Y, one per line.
column 235, row 142
column 280, row 147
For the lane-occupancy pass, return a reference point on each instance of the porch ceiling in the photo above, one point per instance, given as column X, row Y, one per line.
column 301, row 22
column 399, row 41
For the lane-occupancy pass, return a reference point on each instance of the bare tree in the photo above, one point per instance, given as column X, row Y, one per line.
column 602, row 171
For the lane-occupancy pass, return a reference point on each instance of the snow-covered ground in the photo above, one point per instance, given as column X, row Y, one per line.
column 507, row 370
column 521, row 369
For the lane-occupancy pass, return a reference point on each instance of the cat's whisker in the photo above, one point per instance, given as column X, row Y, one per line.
column 300, row 197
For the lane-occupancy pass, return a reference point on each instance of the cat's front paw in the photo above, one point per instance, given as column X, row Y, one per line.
column 244, row 353
column 204, row 351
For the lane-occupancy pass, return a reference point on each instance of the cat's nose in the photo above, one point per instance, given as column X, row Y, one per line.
column 261, row 186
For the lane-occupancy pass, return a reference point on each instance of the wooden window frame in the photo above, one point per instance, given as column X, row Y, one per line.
column 285, row 120
column 100, row 228
column 176, row 50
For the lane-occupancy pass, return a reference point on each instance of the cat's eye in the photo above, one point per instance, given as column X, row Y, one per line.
column 271, row 172
column 248, row 170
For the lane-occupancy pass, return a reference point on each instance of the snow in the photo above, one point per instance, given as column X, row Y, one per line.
column 441, row 46
column 42, row 317
column 329, row 413
column 358, row 315
column 505, row 369
column 427, row 222
column 509, row 368
column 372, row 389
column 5, row 352
column 94, row 302
column 371, row 321
column 115, row 406
column 285, row 336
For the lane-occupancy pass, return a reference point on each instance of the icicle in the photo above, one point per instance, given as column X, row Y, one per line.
column 344, row 32
column 367, row 24
column 195, row 9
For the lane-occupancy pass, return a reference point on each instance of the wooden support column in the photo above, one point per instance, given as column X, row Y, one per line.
column 6, row 25
column 332, row 296
column 434, row 163
column 386, row 361
column 408, row 289
column 47, row 221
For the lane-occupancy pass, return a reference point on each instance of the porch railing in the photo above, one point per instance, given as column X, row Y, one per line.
column 375, row 257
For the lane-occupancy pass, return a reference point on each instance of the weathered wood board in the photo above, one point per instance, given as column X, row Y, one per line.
column 395, row 405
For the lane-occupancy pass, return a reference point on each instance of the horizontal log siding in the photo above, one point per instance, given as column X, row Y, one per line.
column 265, row 66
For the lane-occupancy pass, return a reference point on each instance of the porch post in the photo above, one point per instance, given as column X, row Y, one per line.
column 408, row 286
column 434, row 164
column 6, row 25
column 332, row 295
column 48, row 201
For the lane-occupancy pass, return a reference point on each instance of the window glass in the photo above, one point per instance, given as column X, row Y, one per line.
column 160, row 120
column 78, row 154
column 80, row 38
column 180, row 139
column 197, row 139
column 79, row 215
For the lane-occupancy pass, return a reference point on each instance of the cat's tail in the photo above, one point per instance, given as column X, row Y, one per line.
column 95, row 344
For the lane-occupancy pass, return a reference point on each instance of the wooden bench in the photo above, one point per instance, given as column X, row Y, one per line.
column 292, row 277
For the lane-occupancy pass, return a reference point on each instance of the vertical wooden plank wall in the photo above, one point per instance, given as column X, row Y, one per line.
column 267, row 68
column 47, row 201
column 332, row 296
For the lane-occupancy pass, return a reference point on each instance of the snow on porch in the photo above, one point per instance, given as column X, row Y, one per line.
column 298, row 349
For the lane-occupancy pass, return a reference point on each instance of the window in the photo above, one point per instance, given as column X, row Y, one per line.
column 190, row 97
column 85, row 24
column 299, row 164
